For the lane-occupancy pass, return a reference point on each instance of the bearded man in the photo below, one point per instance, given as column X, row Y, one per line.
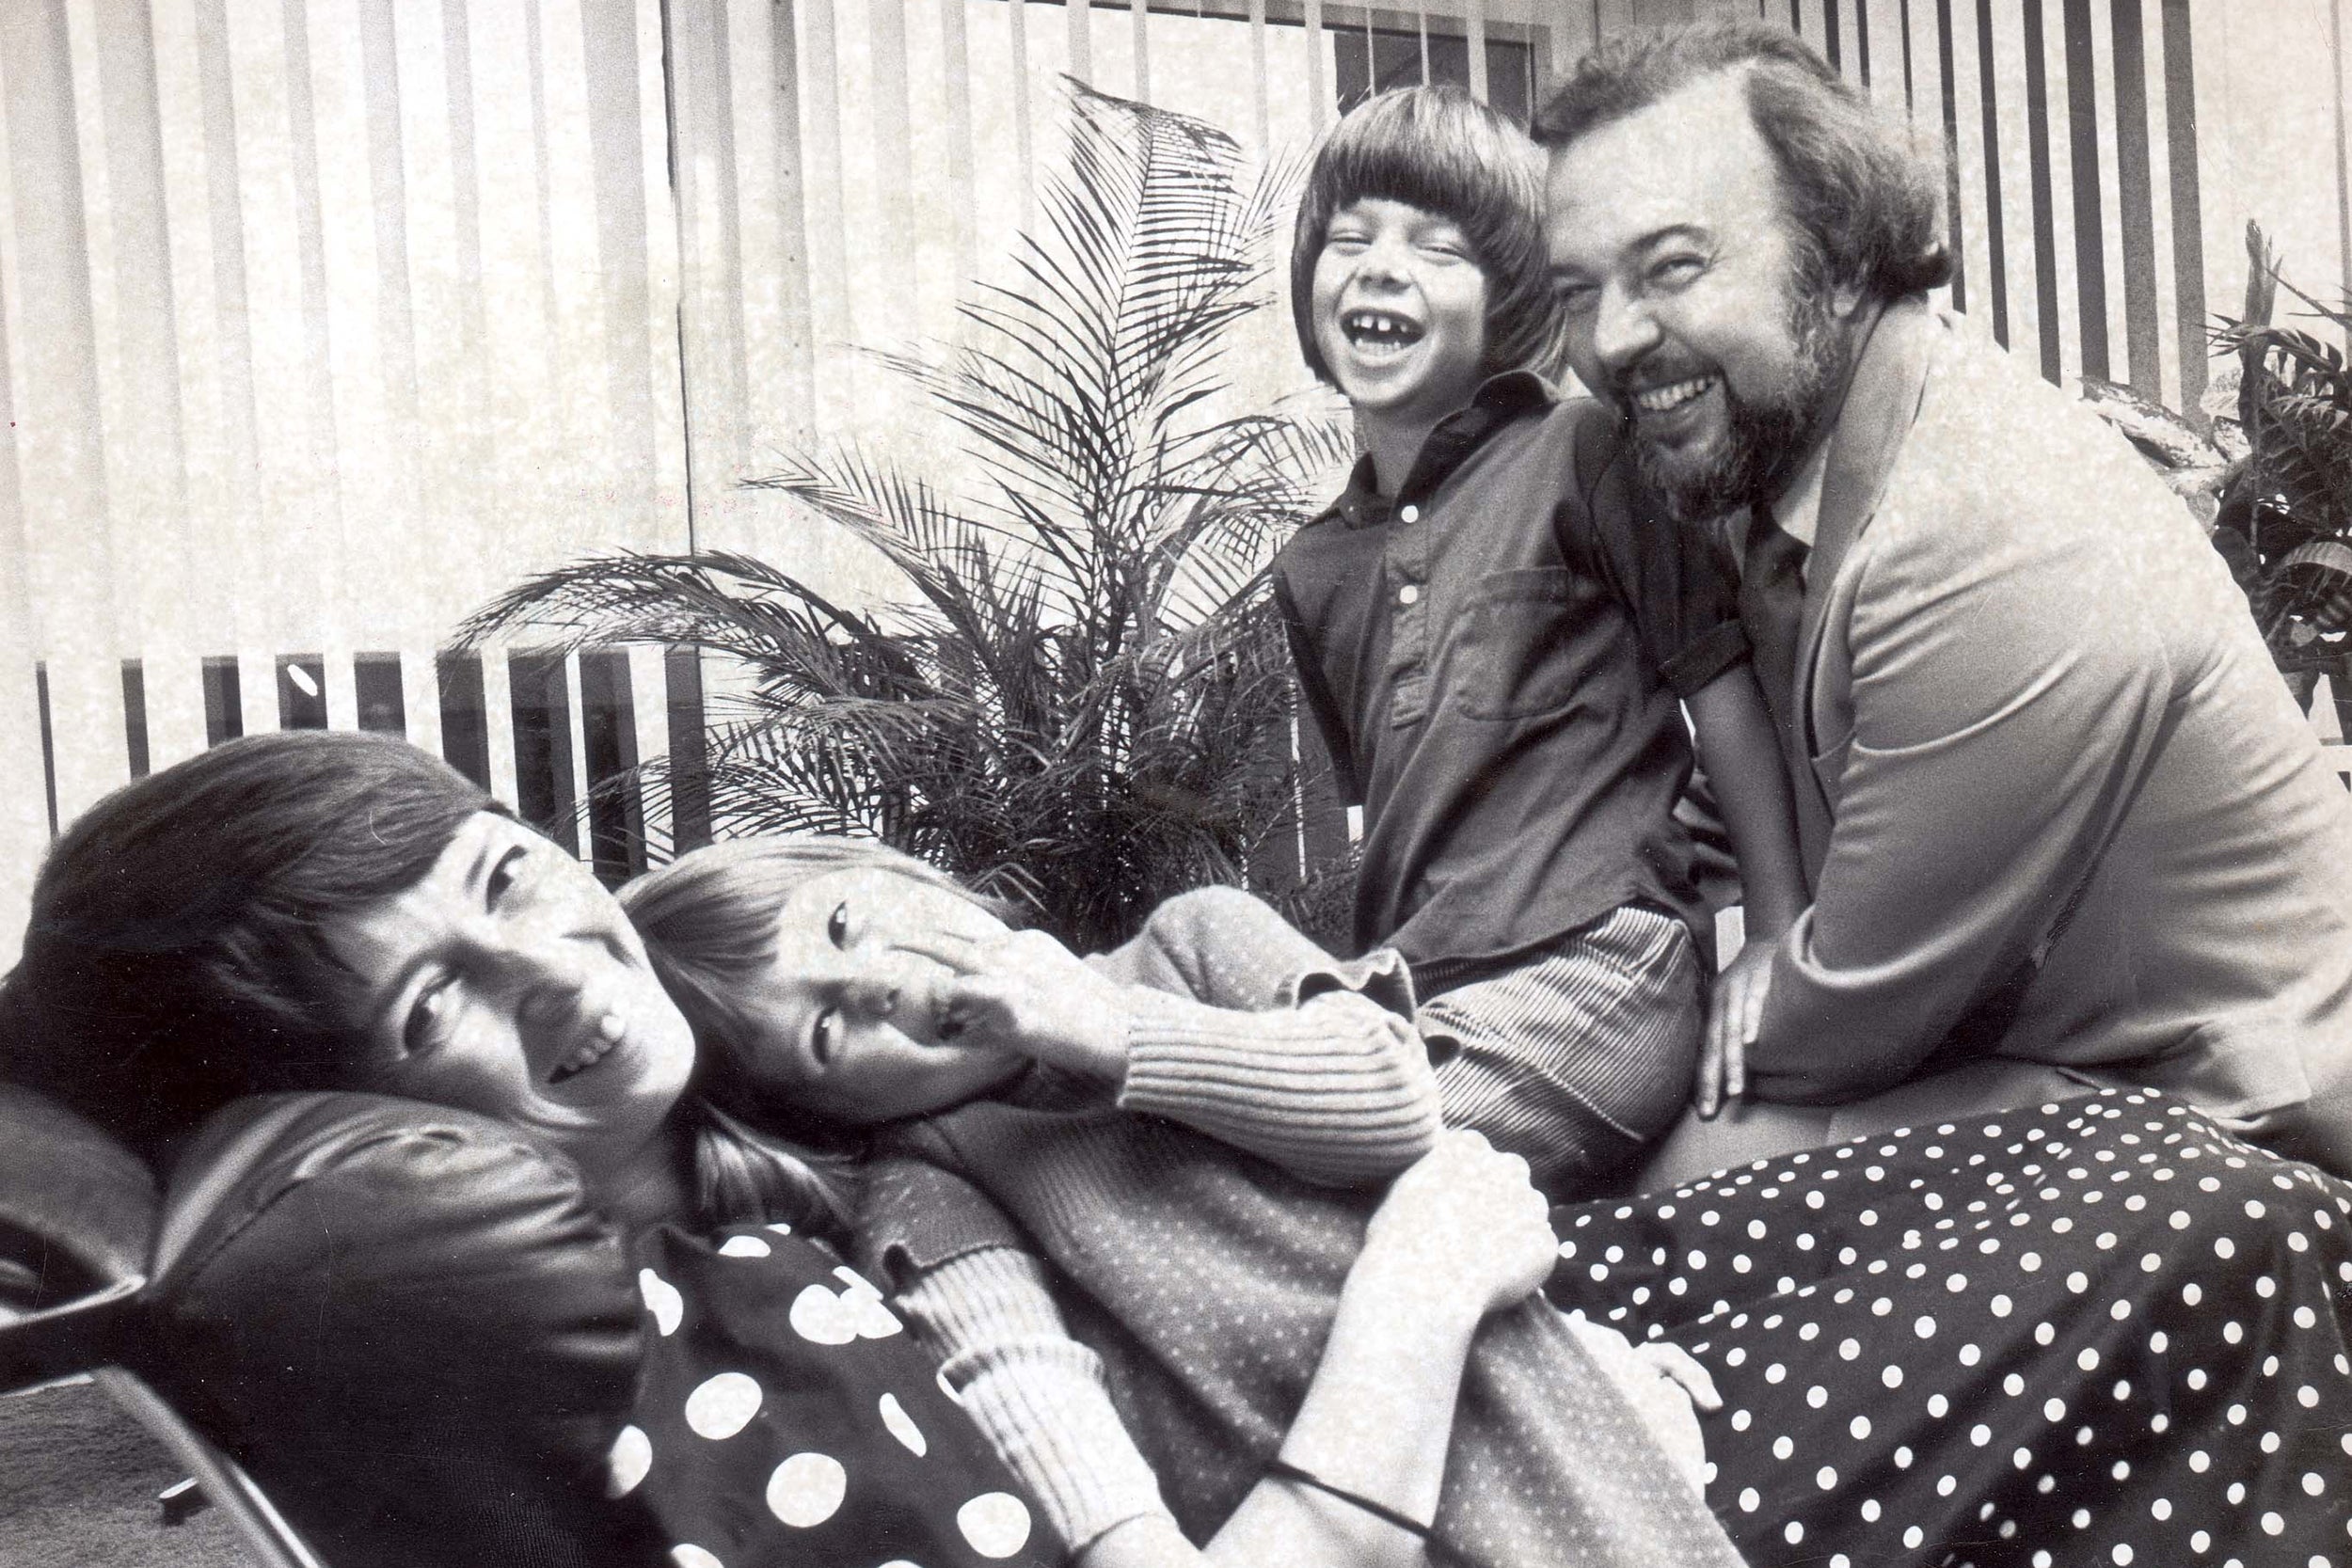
column 2061, row 820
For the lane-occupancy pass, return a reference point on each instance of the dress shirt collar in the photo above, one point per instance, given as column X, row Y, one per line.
column 1500, row 399
column 1798, row 508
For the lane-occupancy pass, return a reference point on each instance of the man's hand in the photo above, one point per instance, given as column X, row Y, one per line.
column 1735, row 1013
column 1026, row 993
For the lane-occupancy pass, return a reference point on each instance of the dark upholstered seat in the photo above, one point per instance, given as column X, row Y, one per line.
column 406, row 1326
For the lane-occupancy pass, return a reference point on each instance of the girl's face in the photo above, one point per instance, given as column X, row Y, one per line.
column 508, row 982
column 853, row 1020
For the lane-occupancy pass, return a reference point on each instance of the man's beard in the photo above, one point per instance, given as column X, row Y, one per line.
column 1764, row 440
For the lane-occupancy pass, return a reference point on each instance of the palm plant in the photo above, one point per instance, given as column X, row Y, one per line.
column 1084, row 704
column 2275, row 484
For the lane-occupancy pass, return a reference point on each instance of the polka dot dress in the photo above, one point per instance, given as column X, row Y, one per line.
column 2098, row 1332
column 783, row 1416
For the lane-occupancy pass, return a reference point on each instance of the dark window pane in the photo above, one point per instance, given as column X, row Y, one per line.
column 376, row 680
column 464, row 718
column 690, row 764
column 224, row 699
column 1508, row 68
column 301, row 692
column 544, row 789
column 1394, row 59
column 48, row 747
column 134, row 714
column 608, row 722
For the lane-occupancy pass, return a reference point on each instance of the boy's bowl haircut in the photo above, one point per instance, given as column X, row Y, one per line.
column 1440, row 149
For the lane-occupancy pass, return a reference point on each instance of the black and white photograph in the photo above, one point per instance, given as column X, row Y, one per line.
column 1127, row 783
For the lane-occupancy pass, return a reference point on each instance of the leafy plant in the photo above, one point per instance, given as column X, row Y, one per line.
column 2275, row 483
column 1084, row 704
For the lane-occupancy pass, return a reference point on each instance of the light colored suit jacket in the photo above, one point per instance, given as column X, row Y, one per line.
column 2061, row 807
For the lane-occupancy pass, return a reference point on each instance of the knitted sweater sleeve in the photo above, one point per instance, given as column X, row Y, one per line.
column 1036, row 1395
column 1246, row 1030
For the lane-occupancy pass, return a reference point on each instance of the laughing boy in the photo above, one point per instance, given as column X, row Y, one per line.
column 1494, row 628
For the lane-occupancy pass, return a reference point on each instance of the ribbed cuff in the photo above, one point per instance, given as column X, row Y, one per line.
column 1335, row 1090
column 1036, row 1395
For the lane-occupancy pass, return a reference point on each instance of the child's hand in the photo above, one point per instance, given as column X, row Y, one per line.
column 1735, row 1013
column 1026, row 993
column 1463, row 1223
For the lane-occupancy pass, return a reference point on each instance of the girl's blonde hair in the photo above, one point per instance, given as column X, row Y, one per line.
column 709, row 920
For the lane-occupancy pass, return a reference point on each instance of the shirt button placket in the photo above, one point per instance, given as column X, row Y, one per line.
column 1407, row 638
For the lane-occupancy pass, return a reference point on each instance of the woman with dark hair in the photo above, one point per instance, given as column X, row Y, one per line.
column 324, row 911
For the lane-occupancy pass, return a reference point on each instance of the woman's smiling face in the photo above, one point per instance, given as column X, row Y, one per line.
column 853, row 1020
column 509, row 983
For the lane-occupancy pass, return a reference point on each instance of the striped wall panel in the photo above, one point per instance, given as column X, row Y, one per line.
column 323, row 321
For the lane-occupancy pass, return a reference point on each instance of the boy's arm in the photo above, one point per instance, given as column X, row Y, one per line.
column 1743, row 758
column 1736, row 746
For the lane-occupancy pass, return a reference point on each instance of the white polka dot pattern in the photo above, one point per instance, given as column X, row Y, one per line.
column 724, row 1405
column 663, row 1300
column 901, row 1425
column 2099, row 1330
column 630, row 1459
column 996, row 1524
column 806, row 1489
column 753, row 1442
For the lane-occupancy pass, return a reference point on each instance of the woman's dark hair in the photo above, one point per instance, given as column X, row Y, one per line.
column 1440, row 149
column 177, row 956
column 1866, row 202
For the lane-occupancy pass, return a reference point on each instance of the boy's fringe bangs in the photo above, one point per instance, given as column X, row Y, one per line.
column 1441, row 150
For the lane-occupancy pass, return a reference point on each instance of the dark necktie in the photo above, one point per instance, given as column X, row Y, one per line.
column 1771, row 605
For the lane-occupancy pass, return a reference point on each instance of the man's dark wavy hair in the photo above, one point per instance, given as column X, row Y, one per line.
column 1868, row 205
column 1440, row 149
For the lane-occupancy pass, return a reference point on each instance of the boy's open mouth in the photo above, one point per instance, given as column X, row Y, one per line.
column 1378, row 332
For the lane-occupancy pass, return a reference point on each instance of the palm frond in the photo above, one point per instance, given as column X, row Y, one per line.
column 1082, row 702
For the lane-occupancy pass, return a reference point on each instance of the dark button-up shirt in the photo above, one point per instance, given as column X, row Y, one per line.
column 1494, row 657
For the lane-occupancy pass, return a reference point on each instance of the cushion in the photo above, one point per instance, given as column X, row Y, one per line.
column 77, row 1211
column 408, row 1324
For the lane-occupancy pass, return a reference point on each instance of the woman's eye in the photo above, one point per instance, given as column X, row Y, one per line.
column 823, row 1037
column 428, row 1018
column 837, row 926
column 505, row 875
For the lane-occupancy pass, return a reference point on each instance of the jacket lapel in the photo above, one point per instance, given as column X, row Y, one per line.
column 1875, row 413
column 1881, row 400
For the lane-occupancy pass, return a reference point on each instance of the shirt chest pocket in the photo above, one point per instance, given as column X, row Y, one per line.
column 1507, row 653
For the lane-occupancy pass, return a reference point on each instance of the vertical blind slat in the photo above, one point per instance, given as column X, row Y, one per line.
column 61, row 475
column 2053, row 249
column 2188, row 254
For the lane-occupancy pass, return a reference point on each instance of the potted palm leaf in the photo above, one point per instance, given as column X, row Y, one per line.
column 2271, row 477
column 1082, row 703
